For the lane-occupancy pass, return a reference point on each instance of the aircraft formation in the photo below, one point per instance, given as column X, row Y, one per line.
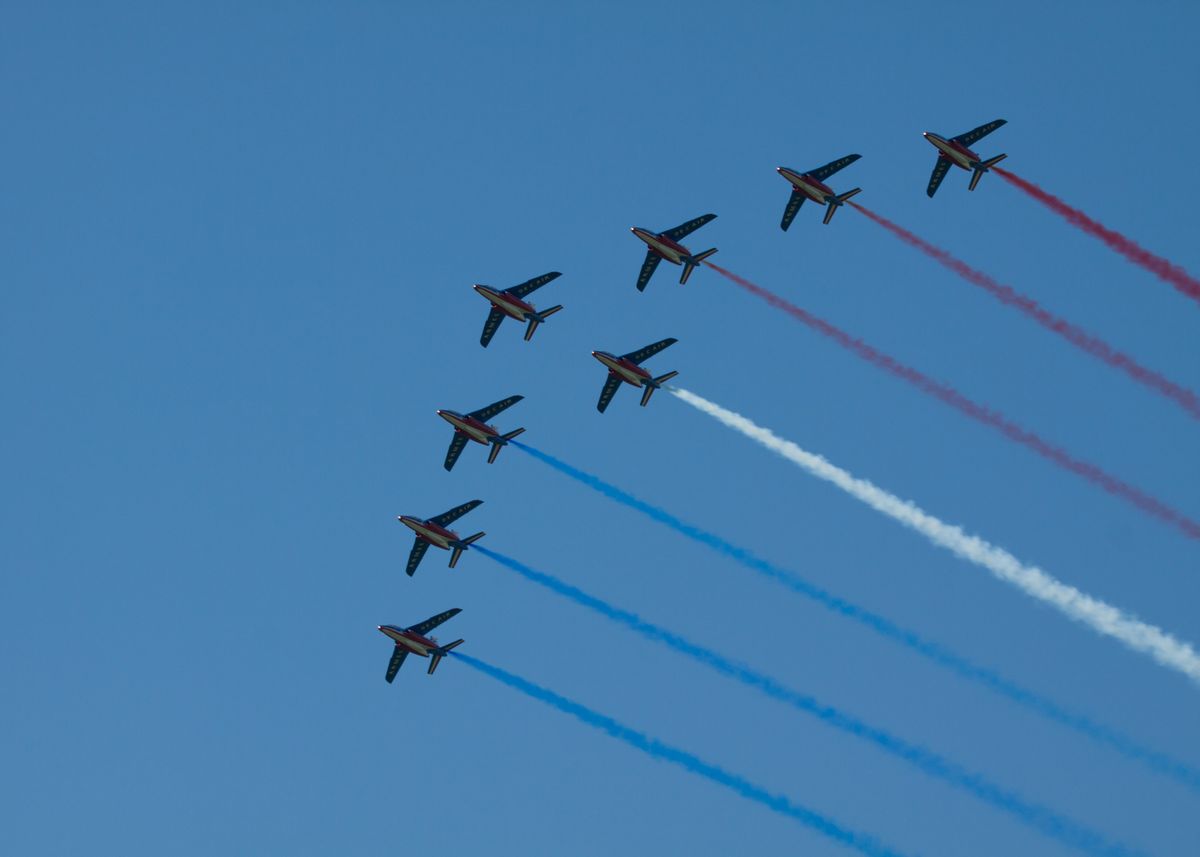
column 622, row 369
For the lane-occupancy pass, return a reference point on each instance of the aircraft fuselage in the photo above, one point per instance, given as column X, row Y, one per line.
column 469, row 426
column 411, row 640
column 956, row 153
column 509, row 304
column 672, row 251
column 817, row 191
column 626, row 370
column 428, row 531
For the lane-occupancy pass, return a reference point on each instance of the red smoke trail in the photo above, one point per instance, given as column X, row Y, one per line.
column 975, row 411
column 1173, row 274
column 1076, row 336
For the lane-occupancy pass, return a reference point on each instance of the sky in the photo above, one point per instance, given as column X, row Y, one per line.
column 238, row 243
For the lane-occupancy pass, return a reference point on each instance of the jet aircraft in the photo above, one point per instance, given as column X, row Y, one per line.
column 811, row 185
column 954, row 151
column 433, row 531
column 628, row 368
column 473, row 426
column 665, row 245
column 412, row 641
column 510, row 302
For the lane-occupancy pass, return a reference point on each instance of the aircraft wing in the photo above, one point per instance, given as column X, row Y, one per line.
column 977, row 134
column 396, row 662
column 939, row 172
column 532, row 285
column 685, row 229
column 822, row 173
column 485, row 414
column 414, row 558
column 794, row 202
column 456, row 447
column 495, row 316
column 611, row 384
column 432, row 622
column 447, row 518
column 650, row 350
column 652, row 260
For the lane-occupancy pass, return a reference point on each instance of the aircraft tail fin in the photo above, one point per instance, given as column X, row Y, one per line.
column 538, row 318
column 461, row 545
column 838, row 200
column 436, row 655
column 654, row 385
column 690, row 263
column 982, row 167
column 498, row 442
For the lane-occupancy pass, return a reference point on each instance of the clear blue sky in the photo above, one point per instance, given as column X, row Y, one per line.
column 237, row 246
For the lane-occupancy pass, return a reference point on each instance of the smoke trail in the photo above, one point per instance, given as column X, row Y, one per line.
column 1100, row 617
column 978, row 412
column 693, row 764
column 1039, row 818
column 910, row 640
column 1075, row 335
column 1160, row 267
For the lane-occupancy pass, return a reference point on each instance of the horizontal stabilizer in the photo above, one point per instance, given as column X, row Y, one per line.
column 983, row 167
column 651, row 386
column 838, row 200
column 499, row 441
column 690, row 263
column 436, row 655
column 458, row 547
column 537, row 318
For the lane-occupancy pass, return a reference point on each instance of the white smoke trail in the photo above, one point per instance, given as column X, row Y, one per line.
column 1102, row 618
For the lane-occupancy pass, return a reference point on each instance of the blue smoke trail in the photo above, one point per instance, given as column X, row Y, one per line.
column 1044, row 820
column 935, row 652
column 685, row 760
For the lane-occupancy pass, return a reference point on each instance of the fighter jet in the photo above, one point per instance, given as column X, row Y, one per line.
column 665, row 245
column 473, row 426
column 433, row 532
column 811, row 185
column 627, row 368
column 954, row 151
column 412, row 641
column 509, row 302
